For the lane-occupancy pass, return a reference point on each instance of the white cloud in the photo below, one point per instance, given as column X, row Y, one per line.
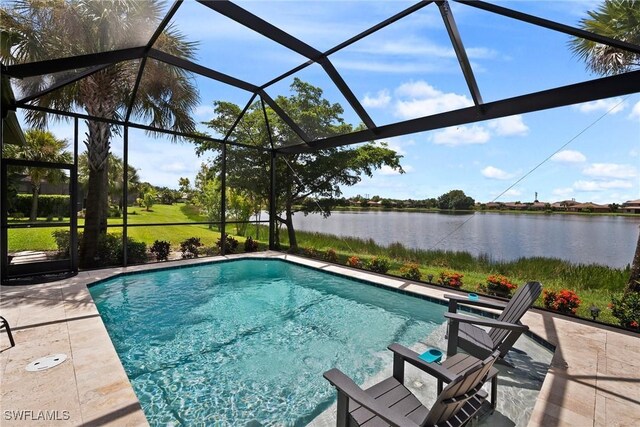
column 176, row 167
column 461, row 135
column 509, row 126
column 562, row 192
column 206, row 111
column 600, row 185
column 492, row 172
column 610, row 170
column 569, row 156
column 381, row 99
column 512, row 192
column 388, row 67
column 613, row 105
column 417, row 99
column 386, row 170
column 635, row 112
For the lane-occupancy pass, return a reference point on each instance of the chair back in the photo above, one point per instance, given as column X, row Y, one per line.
column 459, row 391
column 521, row 301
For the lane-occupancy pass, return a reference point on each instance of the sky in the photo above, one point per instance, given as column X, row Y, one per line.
column 589, row 152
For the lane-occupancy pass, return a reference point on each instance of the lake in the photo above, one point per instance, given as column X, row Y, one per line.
column 606, row 240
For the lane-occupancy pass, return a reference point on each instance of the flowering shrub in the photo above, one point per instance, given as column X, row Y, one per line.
column 499, row 285
column 627, row 310
column 310, row 252
column 411, row 271
column 451, row 278
column 564, row 301
column 189, row 247
column 250, row 245
column 161, row 250
column 331, row 255
column 379, row 265
column 354, row 261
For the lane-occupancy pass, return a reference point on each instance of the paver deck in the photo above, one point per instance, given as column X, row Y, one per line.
column 594, row 379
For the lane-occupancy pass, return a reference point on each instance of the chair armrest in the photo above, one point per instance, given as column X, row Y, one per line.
column 480, row 302
column 486, row 322
column 346, row 385
column 413, row 358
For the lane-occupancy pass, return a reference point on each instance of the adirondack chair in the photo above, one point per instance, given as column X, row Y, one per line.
column 505, row 330
column 5, row 325
column 390, row 403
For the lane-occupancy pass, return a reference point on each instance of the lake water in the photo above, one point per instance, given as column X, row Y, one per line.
column 606, row 240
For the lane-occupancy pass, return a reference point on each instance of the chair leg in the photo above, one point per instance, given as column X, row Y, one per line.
column 5, row 325
column 494, row 392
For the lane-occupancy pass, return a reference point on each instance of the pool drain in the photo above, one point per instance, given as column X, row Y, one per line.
column 46, row 362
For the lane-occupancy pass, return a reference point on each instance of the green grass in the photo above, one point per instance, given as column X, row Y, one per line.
column 594, row 284
column 40, row 239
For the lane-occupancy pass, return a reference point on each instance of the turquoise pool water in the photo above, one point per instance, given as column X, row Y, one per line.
column 246, row 342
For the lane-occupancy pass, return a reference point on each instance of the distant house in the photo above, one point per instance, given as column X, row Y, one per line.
column 564, row 204
column 588, row 207
column 515, row 206
column 538, row 206
column 631, row 206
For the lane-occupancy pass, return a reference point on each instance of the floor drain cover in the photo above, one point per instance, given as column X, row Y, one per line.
column 46, row 362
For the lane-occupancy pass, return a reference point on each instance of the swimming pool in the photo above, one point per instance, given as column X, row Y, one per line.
column 246, row 342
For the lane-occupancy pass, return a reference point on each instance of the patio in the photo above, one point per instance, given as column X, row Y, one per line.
column 594, row 378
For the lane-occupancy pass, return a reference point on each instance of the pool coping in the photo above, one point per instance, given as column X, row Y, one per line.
column 593, row 378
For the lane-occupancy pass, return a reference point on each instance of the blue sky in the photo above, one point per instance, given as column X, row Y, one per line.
column 409, row 70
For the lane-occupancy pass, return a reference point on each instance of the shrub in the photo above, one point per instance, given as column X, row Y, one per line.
column 310, row 252
column 136, row 252
column 564, row 301
column 331, row 256
column 379, row 264
column 48, row 204
column 499, row 285
column 18, row 215
column 451, row 278
column 354, row 261
column 189, row 247
column 230, row 246
column 411, row 271
column 63, row 241
column 250, row 245
column 627, row 310
column 161, row 250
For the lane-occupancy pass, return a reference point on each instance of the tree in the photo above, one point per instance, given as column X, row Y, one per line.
column 619, row 20
column 35, row 30
column 115, row 193
column 41, row 146
column 149, row 199
column 207, row 194
column 298, row 176
column 455, row 200
column 184, row 187
column 240, row 208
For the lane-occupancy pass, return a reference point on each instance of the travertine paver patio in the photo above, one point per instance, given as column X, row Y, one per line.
column 594, row 379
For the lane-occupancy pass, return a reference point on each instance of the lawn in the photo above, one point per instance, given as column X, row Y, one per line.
column 41, row 239
column 595, row 285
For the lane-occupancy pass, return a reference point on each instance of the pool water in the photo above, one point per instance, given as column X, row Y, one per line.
column 246, row 342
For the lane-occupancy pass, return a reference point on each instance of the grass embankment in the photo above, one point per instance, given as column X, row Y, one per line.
column 594, row 284
column 40, row 239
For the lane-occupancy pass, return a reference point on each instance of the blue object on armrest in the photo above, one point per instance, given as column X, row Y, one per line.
column 474, row 297
column 432, row 355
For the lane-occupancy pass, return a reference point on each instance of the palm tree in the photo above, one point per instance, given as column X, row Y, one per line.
column 620, row 20
column 41, row 146
column 115, row 174
column 36, row 30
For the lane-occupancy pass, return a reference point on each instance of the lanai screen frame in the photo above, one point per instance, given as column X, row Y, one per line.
column 601, row 88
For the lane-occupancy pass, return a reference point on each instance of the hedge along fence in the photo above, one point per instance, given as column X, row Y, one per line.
column 53, row 205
